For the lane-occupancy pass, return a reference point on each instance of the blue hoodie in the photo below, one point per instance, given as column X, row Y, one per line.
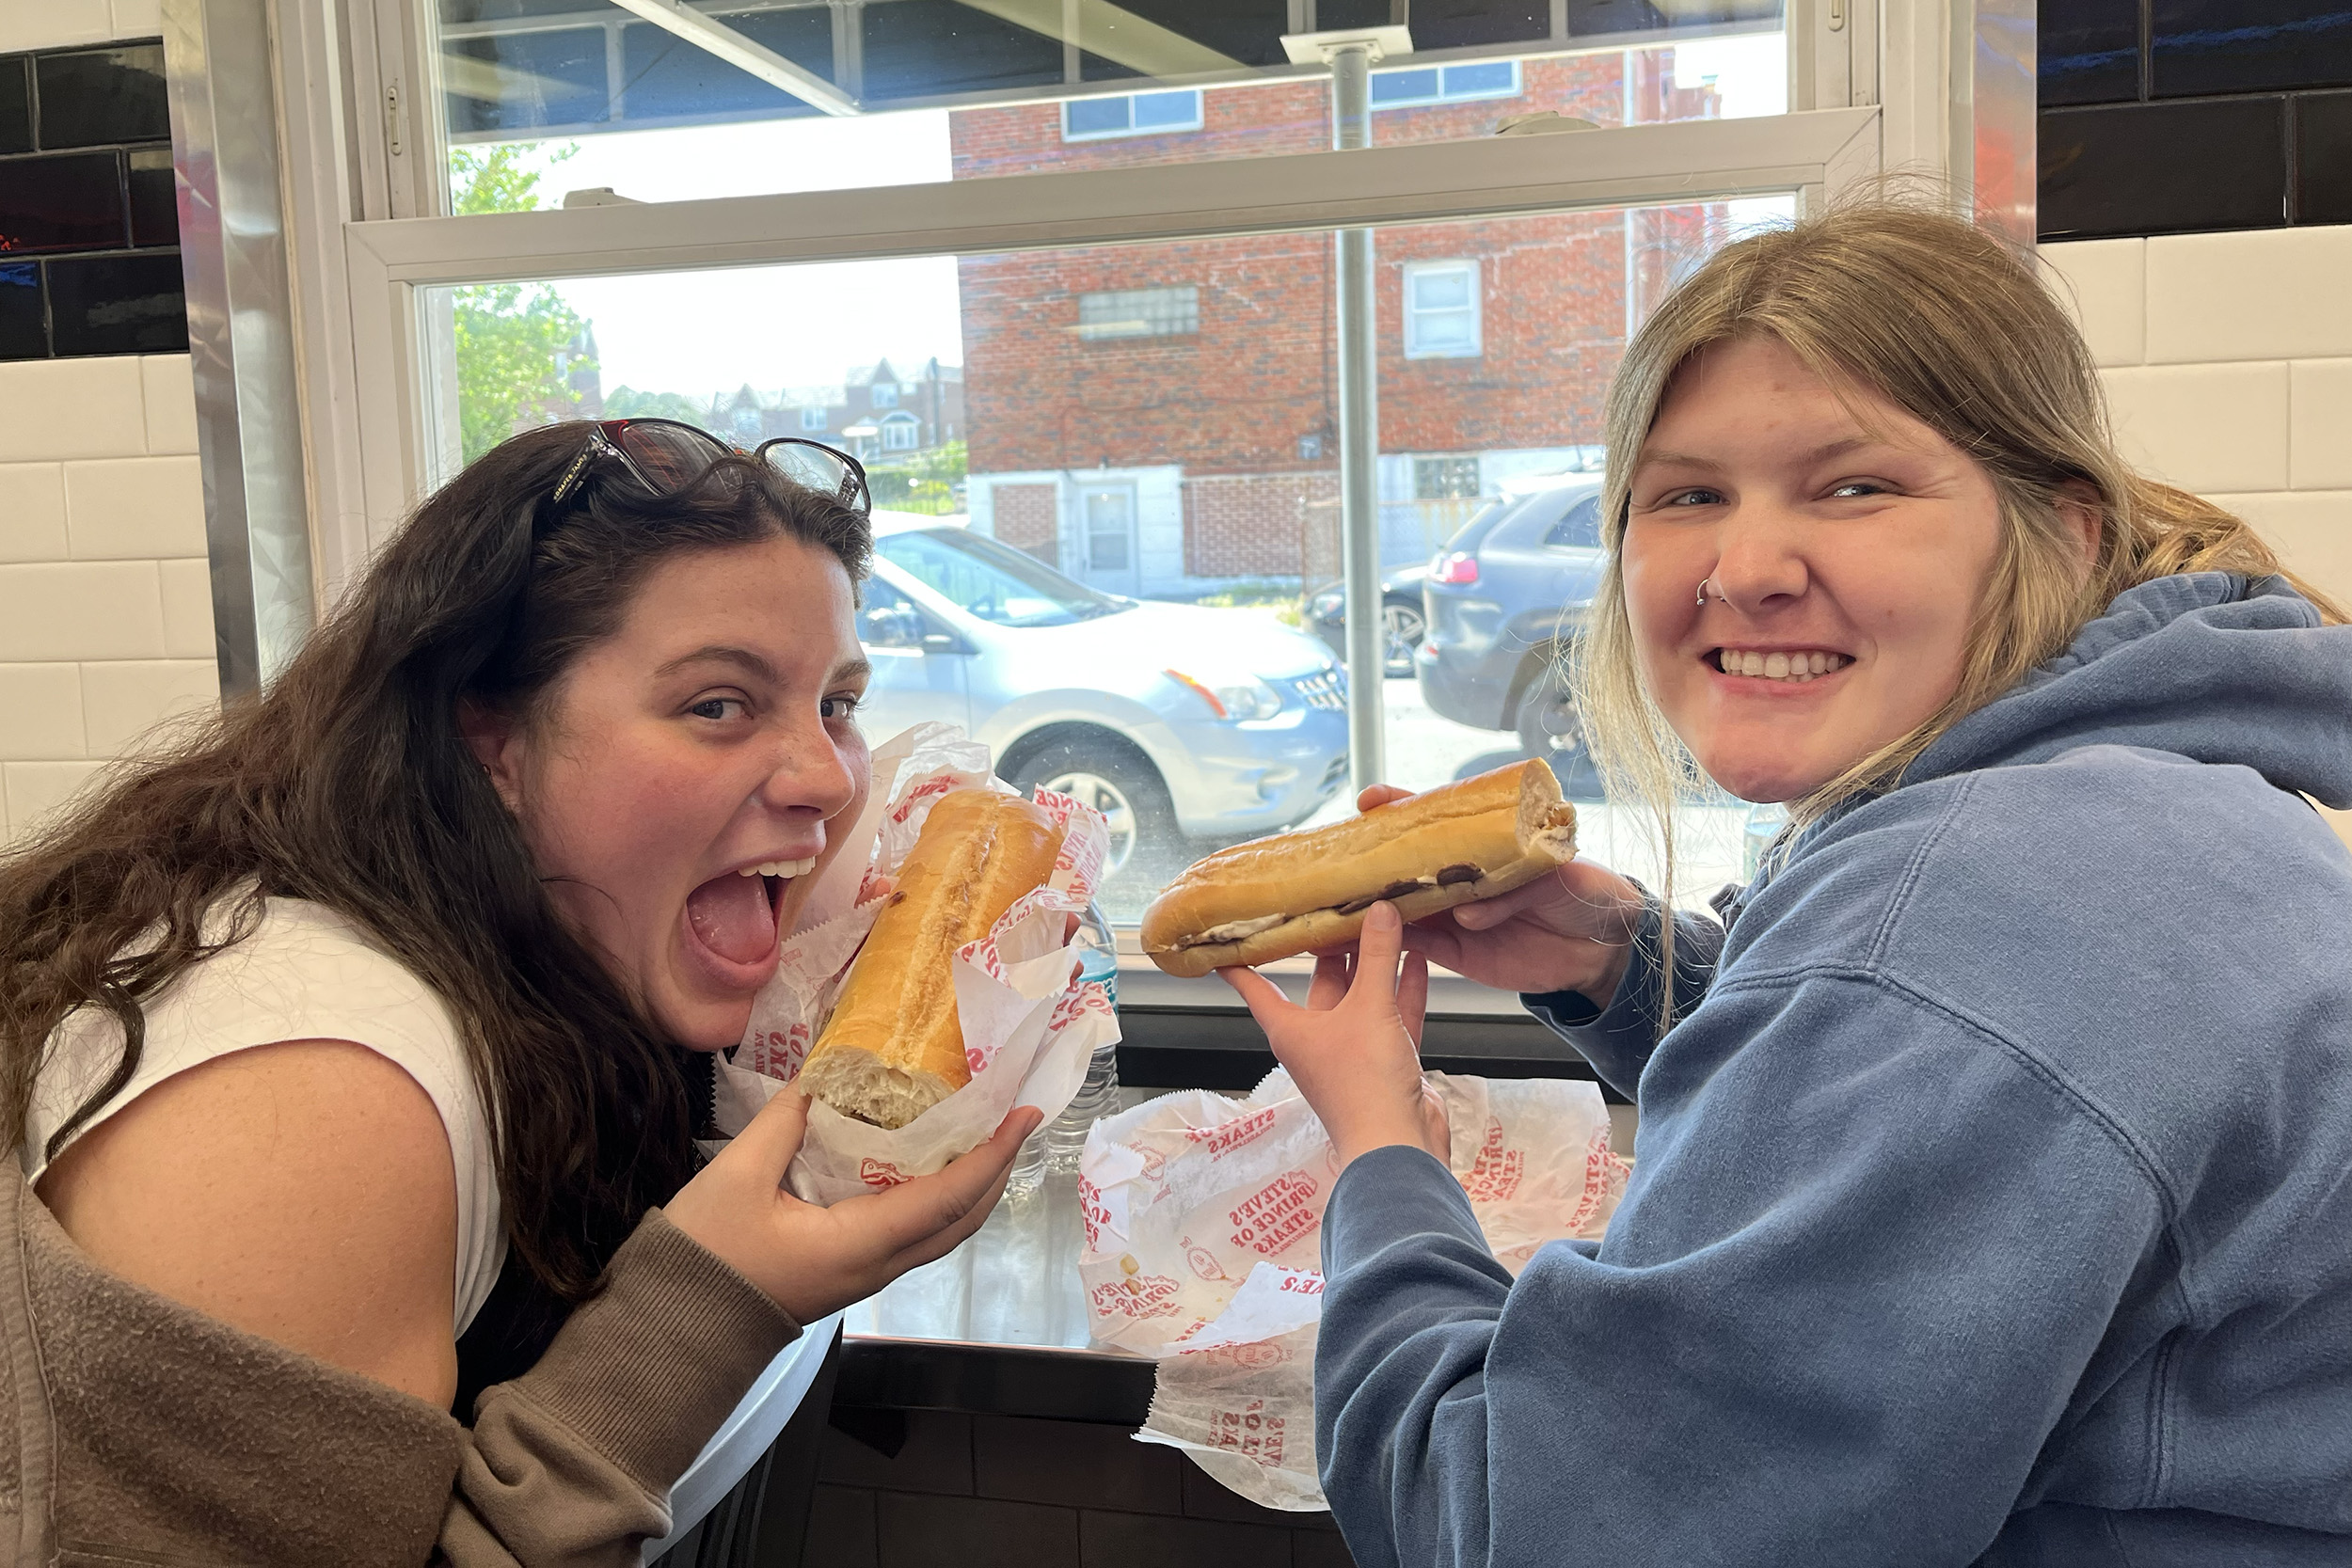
column 1993, row 1204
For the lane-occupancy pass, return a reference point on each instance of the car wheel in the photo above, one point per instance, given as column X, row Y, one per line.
column 1550, row 725
column 1401, row 628
column 1117, row 781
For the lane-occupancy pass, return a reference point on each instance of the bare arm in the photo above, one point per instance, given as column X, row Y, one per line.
column 302, row 1191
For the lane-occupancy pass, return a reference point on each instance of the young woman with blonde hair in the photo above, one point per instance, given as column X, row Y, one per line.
column 1992, row 1198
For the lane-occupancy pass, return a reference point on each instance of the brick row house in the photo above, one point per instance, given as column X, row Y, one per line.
column 880, row 412
column 1162, row 420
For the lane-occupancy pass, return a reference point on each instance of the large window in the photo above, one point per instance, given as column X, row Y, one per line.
column 753, row 96
column 1108, row 495
column 1123, row 595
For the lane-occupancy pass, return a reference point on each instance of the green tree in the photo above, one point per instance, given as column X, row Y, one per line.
column 627, row 403
column 924, row 483
column 514, row 341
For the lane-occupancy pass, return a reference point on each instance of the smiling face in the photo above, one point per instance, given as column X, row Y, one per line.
column 1844, row 547
column 709, row 737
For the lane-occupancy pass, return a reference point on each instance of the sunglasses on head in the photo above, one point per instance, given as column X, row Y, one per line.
column 667, row 456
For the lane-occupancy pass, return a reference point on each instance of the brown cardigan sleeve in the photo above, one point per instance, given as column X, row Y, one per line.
column 571, row 1464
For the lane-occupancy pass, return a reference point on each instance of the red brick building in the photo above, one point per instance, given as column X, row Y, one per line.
column 1162, row 418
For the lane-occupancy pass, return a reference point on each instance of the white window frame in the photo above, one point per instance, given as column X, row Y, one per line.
column 898, row 420
column 1415, row 348
column 1443, row 94
column 1131, row 129
column 814, row 420
column 383, row 444
column 883, row 394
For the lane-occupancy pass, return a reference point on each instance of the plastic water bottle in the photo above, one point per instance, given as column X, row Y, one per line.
column 1058, row 1144
column 1098, row 1097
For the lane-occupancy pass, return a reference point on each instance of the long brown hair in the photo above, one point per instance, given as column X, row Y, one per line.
column 348, row 784
column 1947, row 323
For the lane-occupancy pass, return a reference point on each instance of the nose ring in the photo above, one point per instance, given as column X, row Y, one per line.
column 1702, row 599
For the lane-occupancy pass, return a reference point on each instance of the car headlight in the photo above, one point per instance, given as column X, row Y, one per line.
column 1327, row 604
column 1248, row 699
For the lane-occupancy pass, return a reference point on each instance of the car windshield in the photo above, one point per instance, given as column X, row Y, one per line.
column 995, row 582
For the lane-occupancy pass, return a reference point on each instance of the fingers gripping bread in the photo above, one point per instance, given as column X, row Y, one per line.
column 894, row 1046
column 1297, row 892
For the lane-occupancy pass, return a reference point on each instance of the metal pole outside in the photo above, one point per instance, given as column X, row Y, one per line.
column 1360, row 436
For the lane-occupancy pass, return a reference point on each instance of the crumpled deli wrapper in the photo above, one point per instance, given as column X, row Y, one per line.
column 1029, row 1030
column 1204, row 1233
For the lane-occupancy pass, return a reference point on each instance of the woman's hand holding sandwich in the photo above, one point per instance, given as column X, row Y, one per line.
column 1570, row 929
column 1353, row 1049
column 810, row 1260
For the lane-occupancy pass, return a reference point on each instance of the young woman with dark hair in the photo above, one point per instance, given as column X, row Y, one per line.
column 367, row 1031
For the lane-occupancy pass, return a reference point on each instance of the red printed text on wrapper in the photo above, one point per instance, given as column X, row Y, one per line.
column 1225, row 1137
column 879, row 1174
column 1495, row 1175
column 1252, row 1355
column 1602, row 1172
column 1277, row 1215
column 1136, row 1295
column 1082, row 860
column 1251, row 1432
column 779, row 1053
column 928, row 789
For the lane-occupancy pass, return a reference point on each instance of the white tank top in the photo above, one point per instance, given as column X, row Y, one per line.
column 304, row 973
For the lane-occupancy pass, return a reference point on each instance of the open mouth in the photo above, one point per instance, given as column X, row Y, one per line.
column 1794, row 666
column 736, row 917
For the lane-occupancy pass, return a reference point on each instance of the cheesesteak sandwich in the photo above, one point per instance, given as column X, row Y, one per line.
column 894, row 1046
column 1298, row 893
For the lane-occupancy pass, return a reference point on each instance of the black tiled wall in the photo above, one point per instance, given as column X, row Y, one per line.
column 921, row 1488
column 2166, row 117
column 90, row 227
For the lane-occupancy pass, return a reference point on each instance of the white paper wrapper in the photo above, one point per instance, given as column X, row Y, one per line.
column 1029, row 1030
column 1204, row 1233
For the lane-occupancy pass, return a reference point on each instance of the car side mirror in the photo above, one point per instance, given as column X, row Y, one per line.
column 892, row 626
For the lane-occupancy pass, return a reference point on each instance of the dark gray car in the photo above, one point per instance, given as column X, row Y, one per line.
column 1502, row 602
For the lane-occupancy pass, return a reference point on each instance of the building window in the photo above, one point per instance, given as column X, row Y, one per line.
column 1452, row 84
column 901, row 433
column 1139, row 313
column 1137, row 113
column 886, row 394
column 1444, row 478
column 813, row 419
column 1441, row 311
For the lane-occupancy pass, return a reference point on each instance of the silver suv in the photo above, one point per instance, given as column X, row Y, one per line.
column 1182, row 724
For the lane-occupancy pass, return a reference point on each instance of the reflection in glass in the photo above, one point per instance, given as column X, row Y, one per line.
column 1147, row 81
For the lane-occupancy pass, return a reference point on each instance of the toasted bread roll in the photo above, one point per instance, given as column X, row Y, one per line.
column 1297, row 892
column 894, row 1046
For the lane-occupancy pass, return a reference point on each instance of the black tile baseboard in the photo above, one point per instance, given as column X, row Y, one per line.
column 2173, row 117
column 2323, row 157
column 89, row 222
column 2163, row 168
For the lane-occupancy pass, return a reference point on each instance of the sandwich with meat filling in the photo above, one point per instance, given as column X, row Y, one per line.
column 1304, row 892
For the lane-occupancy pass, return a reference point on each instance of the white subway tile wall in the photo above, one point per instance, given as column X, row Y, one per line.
column 2104, row 285
column 2228, row 365
column 105, row 599
column 48, row 23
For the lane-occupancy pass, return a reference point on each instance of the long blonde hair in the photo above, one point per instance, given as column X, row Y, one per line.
column 1948, row 324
